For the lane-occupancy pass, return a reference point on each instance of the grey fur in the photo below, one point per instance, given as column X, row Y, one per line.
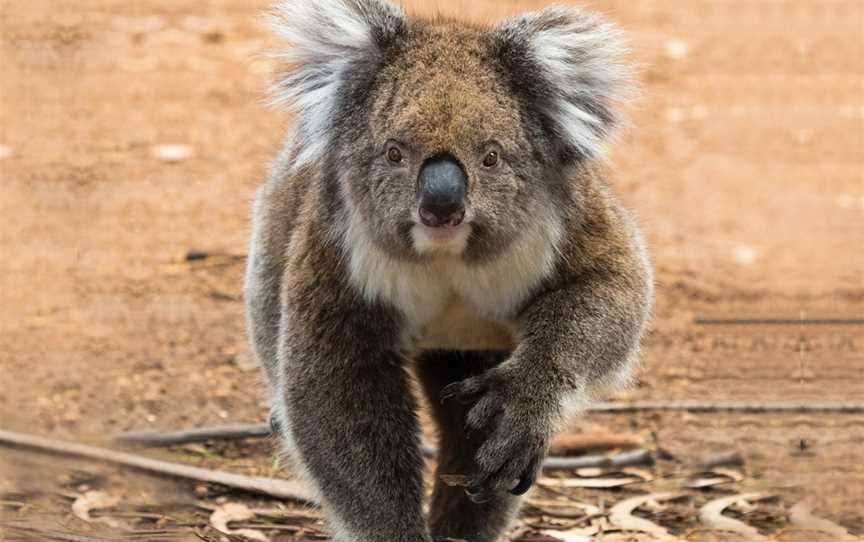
column 346, row 292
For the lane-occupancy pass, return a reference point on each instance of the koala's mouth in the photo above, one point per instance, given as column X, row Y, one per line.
column 442, row 234
column 445, row 239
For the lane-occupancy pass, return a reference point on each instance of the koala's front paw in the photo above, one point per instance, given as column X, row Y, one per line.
column 515, row 426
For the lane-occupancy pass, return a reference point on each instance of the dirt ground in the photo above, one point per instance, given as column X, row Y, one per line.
column 744, row 162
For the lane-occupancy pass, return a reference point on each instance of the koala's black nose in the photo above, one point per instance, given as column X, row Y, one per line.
column 442, row 192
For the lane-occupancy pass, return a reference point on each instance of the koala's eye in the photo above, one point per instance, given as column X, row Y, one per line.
column 491, row 159
column 394, row 155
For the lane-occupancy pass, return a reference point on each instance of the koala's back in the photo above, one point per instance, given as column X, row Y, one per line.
column 276, row 213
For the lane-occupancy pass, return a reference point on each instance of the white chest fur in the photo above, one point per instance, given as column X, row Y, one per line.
column 448, row 304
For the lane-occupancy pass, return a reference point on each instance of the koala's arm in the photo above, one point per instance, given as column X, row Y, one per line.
column 578, row 335
column 582, row 335
column 346, row 404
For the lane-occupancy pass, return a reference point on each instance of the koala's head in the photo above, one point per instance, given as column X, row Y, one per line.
column 445, row 137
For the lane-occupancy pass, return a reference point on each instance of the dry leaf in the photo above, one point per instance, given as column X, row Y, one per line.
column 588, row 509
column 646, row 475
column 622, row 516
column 733, row 474
column 713, row 477
column 711, row 514
column 802, row 516
column 571, row 535
column 94, row 500
column 596, row 483
column 231, row 511
column 702, row 483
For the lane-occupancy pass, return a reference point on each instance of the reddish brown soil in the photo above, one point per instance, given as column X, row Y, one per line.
column 745, row 163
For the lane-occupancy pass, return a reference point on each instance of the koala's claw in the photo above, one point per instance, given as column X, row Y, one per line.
column 511, row 477
column 465, row 391
column 515, row 434
column 529, row 476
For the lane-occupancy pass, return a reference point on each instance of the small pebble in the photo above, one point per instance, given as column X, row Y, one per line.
column 675, row 115
column 171, row 152
column 746, row 255
column 246, row 361
column 850, row 201
column 676, row 49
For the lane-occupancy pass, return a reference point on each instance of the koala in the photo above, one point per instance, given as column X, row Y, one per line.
column 439, row 211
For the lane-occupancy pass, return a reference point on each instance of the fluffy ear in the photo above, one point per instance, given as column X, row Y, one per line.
column 331, row 44
column 569, row 64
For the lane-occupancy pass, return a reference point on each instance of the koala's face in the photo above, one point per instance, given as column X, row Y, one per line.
column 446, row 138
column 443, row 161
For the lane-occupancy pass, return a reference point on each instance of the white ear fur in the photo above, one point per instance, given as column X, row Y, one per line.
column 325, row 37
column 579, row 56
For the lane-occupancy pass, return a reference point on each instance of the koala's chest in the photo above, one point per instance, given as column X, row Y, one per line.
column 448, row 304
column 456, row 324
column 446, row 307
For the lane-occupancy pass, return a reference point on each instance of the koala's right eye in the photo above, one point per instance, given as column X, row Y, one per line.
column 394, row 155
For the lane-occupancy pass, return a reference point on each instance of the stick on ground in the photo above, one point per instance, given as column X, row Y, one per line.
column 232, row 432
column 576, row 443
column 748, row 407
column 284, row 489
column 198, row 434
column 624, row 459
column 242, row 431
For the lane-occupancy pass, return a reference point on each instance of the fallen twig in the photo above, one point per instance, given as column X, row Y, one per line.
column 748, row 407
column 198, row 434
column 50, row 534
column 722, row 459
column 284, row 489
column 570, row 443
column 594, row 483
column 241, row 431
column 624, row 459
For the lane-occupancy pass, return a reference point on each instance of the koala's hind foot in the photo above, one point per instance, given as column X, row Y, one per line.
column 452, row 514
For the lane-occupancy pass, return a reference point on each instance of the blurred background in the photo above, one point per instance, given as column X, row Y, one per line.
column 132, row 133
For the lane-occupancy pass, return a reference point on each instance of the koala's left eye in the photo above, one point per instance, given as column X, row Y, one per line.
column 491, row 159
column 394, row 155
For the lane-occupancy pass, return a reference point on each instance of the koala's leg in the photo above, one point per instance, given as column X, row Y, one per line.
column 452, row 514
column 350, row 418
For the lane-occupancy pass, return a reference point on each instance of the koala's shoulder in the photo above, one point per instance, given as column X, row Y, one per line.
column 602, row 235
